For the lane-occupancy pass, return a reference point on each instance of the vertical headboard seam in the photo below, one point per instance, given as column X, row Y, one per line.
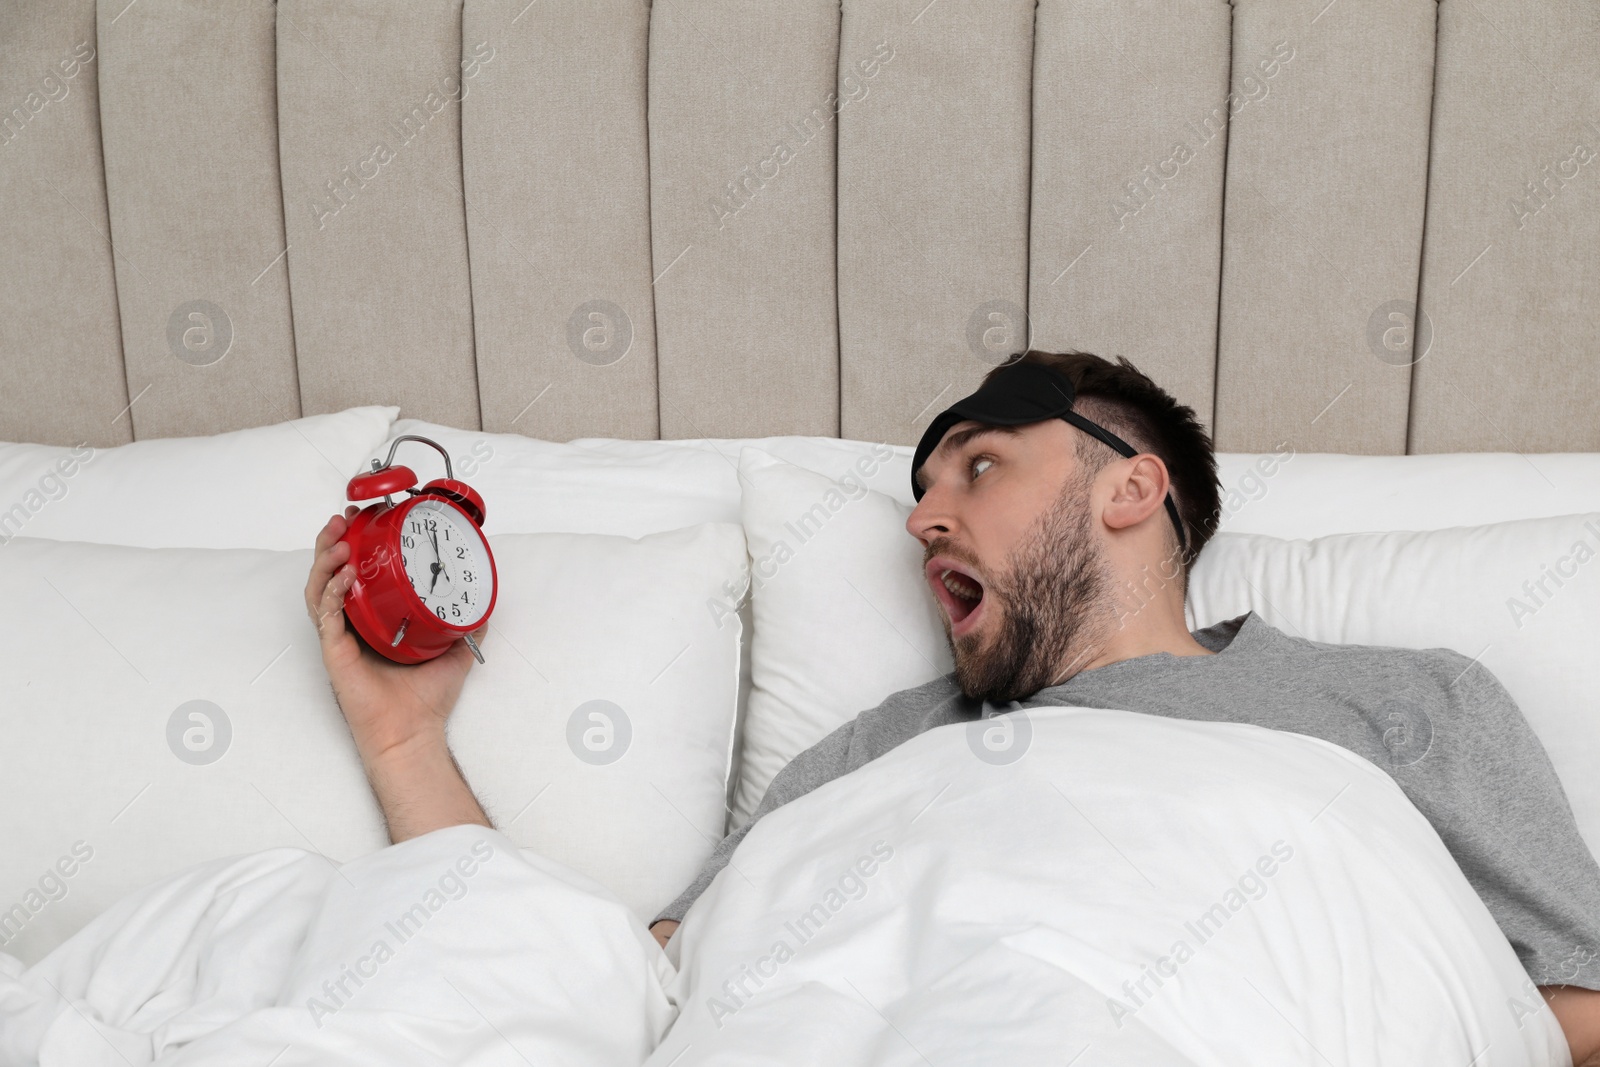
column 1027, row 203
column 283, row 214
column 105, row 193
column 461, row 177
column 1222, row 228
column 1422, row 250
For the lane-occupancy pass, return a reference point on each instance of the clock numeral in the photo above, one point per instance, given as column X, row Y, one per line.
column 464, row 599
column 455, row 611
column 461, row 552
column 466, row 576
column 408, row 541
column 440, row 610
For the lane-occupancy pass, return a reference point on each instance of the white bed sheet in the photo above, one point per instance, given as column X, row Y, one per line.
column 1011, row 892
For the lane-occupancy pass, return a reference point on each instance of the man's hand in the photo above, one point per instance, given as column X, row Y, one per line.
column 396, row 713
column 663, row 931
column 1578, row 1011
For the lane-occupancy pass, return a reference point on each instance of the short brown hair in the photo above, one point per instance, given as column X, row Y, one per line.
column 1125, row 401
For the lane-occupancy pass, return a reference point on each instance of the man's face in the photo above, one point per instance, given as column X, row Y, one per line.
column 1006, row 519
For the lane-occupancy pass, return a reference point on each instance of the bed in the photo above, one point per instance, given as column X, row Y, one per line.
column 662, row 280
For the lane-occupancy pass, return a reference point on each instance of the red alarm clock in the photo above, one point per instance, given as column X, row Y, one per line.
column 424, row 572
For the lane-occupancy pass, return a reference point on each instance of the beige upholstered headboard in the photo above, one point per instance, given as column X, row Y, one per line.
column 736, row 218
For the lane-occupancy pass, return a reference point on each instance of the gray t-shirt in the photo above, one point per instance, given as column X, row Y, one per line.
column 1439, row 723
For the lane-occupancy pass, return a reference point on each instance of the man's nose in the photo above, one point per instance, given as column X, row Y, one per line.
column 930, row 518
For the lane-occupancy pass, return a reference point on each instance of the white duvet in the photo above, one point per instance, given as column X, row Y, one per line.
column 1129, row 890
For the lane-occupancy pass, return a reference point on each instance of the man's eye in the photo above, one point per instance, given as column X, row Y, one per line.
column 972, row 465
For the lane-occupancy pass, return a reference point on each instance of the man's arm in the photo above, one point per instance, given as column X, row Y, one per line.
column 1578, row 1011
column 1502, row 811
column 420, row 788
column 396, row 713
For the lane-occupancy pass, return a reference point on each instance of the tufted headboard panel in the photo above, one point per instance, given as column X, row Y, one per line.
column 730, row 218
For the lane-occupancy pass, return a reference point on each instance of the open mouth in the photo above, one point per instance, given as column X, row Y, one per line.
column 959, row 591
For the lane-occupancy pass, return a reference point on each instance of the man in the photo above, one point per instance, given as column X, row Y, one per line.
column 1064, row 480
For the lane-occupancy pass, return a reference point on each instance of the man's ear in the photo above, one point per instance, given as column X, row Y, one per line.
column 1138, row 490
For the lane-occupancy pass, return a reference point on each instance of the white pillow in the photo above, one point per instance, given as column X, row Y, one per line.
column 265, row 487
column 108, row 646
column 842, row 616
column 1471, row 589
column 1285, row 494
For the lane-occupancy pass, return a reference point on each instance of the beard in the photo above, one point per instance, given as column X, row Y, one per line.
column 1054, row 603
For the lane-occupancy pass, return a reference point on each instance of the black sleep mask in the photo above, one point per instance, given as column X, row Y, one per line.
column 1018, row 394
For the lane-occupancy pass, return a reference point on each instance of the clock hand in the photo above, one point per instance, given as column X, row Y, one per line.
column 438, row 563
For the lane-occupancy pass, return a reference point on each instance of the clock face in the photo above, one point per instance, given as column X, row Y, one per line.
column 447, row 561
